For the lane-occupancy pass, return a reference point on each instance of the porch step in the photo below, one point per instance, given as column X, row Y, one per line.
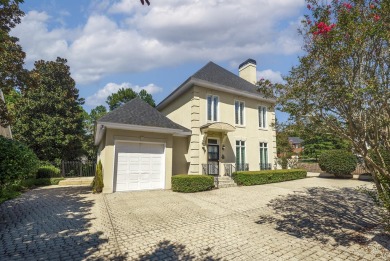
column 226, row 182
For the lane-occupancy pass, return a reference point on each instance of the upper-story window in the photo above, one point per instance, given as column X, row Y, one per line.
column 212, row 107
column 262, row 117
column 239, row 112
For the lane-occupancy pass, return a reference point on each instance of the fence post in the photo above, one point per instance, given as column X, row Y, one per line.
column 81, row 169
column 63, row 169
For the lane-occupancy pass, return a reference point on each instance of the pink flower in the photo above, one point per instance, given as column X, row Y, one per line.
column 347, row 5
column 309, row 7
column 376, row 17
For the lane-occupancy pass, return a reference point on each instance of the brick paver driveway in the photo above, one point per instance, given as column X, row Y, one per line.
column 310, row 219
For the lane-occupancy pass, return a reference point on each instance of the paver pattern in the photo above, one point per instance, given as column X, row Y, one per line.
column 310, row 219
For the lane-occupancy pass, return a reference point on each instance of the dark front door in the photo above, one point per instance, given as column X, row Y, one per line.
column 213, row 157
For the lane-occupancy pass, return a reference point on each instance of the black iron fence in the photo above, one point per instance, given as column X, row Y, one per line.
column 78, row 168
column 265, row 166
column 242, row 167
column 210, row 169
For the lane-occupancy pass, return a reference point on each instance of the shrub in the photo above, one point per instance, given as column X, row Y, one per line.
column 48, row 171
column 340, row 163
column 97, row 183
column 192, row 183
column 249, row 178
column 17, row 162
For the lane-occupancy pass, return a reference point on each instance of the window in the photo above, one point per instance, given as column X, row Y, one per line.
column 239, row 111
column 263, row 155
column 262, row 117
column 240, row 155
column 212, row 108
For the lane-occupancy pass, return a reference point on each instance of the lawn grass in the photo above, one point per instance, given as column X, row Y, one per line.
column 17, row 189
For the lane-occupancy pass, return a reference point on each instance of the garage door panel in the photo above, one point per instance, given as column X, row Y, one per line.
column 139, row 166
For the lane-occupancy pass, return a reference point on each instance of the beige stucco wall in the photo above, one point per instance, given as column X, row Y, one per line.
column 193, row 116
column 107, row 153
column 180, row 165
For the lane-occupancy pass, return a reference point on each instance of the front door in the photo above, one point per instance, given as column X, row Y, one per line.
column 213, row 157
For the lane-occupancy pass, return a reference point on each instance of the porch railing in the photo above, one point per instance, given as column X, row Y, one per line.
column 229, row 169
column 242, row 167
column 265, row 166
column 210, row 169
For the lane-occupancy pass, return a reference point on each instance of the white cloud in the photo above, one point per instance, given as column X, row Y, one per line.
column 273, row 76
column 99, row 98
column 166, row 33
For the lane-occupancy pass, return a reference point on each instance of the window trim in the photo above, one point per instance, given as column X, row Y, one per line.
column 260, row 147
column 240, row 140
column 265, row 119
column 212, row 109
column 243, row 113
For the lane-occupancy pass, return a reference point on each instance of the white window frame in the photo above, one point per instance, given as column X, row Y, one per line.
column 263, row 147
column 214, row 118
column 262, row 116
column 240, row 151
column 243, row 113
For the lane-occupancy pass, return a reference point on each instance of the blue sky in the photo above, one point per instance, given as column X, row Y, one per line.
column 111, row 44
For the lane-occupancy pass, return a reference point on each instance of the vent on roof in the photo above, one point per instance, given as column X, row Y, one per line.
column 247, row 70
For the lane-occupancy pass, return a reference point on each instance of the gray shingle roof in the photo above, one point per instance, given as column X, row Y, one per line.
column 295, row 140
column 214, row 73
column 138, row 112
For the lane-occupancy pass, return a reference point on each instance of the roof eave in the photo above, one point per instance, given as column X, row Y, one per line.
column 215, row 86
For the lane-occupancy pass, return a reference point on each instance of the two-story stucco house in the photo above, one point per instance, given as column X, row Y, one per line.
column 214, row 123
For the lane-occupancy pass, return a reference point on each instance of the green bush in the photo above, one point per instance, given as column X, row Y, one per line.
column 340, row 163
column 249, row 178
column 17, row 162
column 97, row 183
column 48, row 171
column 192, row 183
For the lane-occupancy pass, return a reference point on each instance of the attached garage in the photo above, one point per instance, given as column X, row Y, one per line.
column 139, row 166
column 135, row 147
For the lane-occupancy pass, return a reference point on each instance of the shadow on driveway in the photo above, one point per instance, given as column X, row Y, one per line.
column 174, row 251
column 345, row 216
column 49, row 224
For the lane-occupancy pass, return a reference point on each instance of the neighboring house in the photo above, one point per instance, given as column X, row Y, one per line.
column 296, row 144
column 214, row 123
column 5, row 131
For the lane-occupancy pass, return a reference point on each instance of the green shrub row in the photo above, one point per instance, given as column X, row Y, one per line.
column 340, row 163
column 249, row 178
column 192, row 183
column 48, row 171
column 17, row 162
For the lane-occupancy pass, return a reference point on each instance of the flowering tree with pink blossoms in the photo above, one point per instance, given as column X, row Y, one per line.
column 343, row 80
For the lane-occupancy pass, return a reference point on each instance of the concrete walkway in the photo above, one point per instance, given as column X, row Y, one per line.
column 309, row 219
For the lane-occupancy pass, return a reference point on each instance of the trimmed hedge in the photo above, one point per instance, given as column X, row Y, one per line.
column 340, row 163
column 249, row 178
column 192, row 183
column 48, row 171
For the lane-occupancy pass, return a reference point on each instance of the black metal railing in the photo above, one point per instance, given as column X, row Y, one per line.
column 242, row 167
column 210, row 169
column 229, row 169
column 265, row 166
column 78, row 168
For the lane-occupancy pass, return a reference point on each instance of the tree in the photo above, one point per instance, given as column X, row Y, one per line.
column 12, row 74
column 49, row 113
column 342, row 82
column 124, row 95
column 89, row 127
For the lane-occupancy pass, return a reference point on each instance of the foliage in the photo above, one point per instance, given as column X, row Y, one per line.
column 17, row 162
column 14, row 190
column 192, row 183
column 342, row 81
column 341, row 163
column 125, row 95
column 97, row 183
column 12, row 56
column 49, row 114
column 90, row 119
column 249, row 178
column 48, row 171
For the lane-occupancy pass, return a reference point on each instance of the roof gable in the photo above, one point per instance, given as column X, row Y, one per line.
column 214, row 73
column 138, row 112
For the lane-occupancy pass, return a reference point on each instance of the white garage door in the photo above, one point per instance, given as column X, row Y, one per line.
column 140, row 166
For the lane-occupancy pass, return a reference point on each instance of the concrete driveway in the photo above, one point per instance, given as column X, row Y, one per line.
column 310, row 219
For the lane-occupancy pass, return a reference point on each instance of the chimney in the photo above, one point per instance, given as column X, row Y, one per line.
column 247, row 71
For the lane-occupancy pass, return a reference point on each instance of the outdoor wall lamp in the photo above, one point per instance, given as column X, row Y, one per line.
column 223, row 147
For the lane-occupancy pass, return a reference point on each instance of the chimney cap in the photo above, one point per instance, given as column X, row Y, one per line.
column 247, row 62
